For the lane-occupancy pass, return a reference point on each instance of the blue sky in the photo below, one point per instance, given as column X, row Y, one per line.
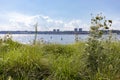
column 63, row 14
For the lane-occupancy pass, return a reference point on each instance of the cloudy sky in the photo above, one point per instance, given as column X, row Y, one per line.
column 54, row 14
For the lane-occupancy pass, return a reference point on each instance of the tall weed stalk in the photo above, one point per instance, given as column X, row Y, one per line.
column 36, row 30
column 94, row 48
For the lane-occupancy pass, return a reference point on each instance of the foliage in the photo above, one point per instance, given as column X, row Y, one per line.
column 57, row 62
column 95, row 49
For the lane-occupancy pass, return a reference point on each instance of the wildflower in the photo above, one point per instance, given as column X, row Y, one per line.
column 92, row 27
column 88, row 54
column 110, row 67
column 97, row 60
column 10, row 78
column 86, row 44
column 1, row 59
column 101, row 58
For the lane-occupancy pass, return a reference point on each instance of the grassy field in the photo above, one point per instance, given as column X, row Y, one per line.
column 59, row 62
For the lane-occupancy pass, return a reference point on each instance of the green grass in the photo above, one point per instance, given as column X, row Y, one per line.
column 56, row 62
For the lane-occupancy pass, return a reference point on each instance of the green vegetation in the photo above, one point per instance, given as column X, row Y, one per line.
column 91, row 60
column 58, row 62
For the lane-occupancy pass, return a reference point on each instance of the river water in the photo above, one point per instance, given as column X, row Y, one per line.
column 62, row 39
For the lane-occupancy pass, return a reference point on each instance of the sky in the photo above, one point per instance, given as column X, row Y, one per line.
column 55, row 14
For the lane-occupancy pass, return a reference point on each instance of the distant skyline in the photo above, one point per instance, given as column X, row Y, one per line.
column 55, row 14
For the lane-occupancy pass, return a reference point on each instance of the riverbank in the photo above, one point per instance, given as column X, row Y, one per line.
column 56, row 62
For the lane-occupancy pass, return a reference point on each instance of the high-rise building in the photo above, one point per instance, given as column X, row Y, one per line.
column 58, row 30
column 75, row 29
column 80, row 29
column 54, row 30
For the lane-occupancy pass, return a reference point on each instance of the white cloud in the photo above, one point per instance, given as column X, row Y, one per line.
column 116, row 24
column 76, row 24
column 17, row 21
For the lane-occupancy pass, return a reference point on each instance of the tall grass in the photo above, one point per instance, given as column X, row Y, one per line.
column 56, row 62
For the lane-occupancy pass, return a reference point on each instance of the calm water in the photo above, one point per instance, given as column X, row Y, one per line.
column 62, row 39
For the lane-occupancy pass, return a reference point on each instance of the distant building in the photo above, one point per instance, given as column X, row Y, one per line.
column 75, row 29
column 54, row 30
column 80, row 29
column 58, row 30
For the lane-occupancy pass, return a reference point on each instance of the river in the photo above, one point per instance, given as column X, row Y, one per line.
column 62, row 39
